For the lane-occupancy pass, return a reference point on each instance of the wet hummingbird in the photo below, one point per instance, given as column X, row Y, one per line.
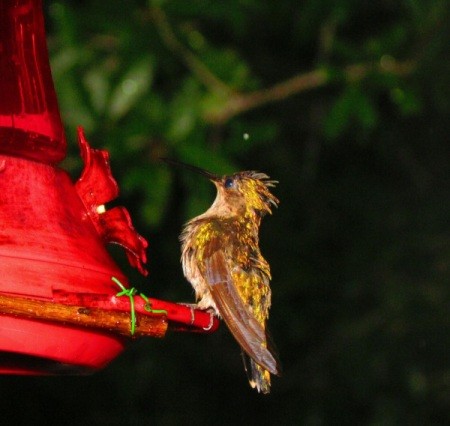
column 222, row 261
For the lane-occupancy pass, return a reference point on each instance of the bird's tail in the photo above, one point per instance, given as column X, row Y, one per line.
column 258, row 377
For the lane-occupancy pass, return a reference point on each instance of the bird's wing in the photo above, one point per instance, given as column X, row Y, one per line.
column 248, row 332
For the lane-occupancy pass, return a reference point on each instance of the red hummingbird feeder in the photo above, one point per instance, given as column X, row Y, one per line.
column 62, row 310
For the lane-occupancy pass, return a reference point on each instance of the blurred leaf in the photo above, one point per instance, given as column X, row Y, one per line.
column 212, row 103
column 229, row 67
column 64, row 19
column 407, row 101
column 184, row 111
column 155, row 183
column 98, row 86
column 203, row 157
column 131, row 88
column 340, row 114
column 365, row 110
column 71, row 99
column 65, row 61
column 353, row 106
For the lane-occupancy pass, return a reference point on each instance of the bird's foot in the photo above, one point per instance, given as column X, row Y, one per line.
column 192, row 307
column 211, row 311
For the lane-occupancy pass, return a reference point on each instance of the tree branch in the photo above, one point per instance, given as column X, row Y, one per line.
column 242, row 102
column 236, row 103
column 110, row 320
column 211, row 81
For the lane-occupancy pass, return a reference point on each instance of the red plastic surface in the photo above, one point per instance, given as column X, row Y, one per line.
column 30, row 124
column 33, row 347
column 48, row 243
column 52, row 232
column 47, row 240
column 96, row 187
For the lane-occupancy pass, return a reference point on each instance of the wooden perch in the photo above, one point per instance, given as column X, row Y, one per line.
column 181, row 317
column 154, row 325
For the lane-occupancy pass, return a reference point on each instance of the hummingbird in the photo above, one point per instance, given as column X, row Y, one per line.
column 221, row 258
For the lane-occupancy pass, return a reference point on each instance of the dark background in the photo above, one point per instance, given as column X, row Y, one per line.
column 360, row 245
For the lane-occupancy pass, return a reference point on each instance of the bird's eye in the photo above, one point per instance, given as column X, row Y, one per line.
column 229, row 183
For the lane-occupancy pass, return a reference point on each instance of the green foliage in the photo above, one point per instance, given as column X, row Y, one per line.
column 352, row 107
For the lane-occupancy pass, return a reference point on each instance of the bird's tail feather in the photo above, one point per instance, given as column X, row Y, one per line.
column 258, row 377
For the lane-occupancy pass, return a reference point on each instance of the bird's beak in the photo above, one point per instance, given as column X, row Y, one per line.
column 203, row 172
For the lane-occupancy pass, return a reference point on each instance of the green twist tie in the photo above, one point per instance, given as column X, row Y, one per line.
column 131, row 292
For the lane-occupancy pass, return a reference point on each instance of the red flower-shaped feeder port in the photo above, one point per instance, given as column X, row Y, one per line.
column 60, row 310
